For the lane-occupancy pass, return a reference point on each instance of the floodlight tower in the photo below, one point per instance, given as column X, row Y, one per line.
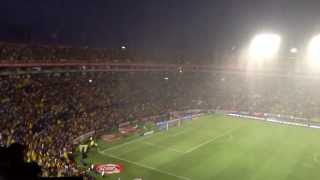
column 313, row 53
column 264, row 47
column 293, row 50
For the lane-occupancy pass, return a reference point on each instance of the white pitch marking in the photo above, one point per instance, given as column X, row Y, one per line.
column 212, row 140
column 162, row 147
column 315, row 158
column 129, row 142
column 179, row 133
column 148, row 167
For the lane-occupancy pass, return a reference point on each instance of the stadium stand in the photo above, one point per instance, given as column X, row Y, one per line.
column 39, row 52
column 48, row 111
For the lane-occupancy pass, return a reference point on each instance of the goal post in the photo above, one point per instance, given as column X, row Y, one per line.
column 166, row 125
column 173, row 123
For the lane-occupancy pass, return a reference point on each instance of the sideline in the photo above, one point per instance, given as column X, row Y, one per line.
column 147, row 167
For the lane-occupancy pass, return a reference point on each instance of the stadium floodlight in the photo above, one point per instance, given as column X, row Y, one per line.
column 264, row 46
column 314, row 51
column 293, row 50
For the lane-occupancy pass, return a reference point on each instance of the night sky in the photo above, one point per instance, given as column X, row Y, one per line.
column 190, row 29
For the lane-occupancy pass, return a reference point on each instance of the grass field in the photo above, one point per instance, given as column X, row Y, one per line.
column 217, row 147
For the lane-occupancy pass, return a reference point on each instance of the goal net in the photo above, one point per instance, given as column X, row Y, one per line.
column 166, row 125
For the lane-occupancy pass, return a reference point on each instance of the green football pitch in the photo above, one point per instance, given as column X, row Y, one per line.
column 217, row 147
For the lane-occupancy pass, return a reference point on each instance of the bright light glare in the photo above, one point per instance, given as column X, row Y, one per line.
column 293, row 50
column 264, row 46
column 314, row 50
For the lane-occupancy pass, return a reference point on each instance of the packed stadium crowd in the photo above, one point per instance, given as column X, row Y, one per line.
column 58, row 53
column 47, row 111
column 294, row 96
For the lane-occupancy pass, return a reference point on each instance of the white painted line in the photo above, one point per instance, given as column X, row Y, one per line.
column 128, row 150
column 129, row 142
column 148, row 167
column 179, row 133
column 162, row 147
column 316, row 158
column 212, row 140
column 123, row 144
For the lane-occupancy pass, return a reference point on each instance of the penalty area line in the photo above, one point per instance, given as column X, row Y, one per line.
column 129, row 142
column 179, row 133
column 147, row 167
column 162, row 147
column 212, row 140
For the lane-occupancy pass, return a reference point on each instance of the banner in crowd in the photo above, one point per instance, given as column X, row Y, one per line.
column 125, row 126
column 277, row 118
column 148, row 133
column 108, row 168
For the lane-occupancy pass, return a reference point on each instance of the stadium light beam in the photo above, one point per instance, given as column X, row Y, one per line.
column 264, row 46
column 314, row 51
column 293, row 50
column 123, row 48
